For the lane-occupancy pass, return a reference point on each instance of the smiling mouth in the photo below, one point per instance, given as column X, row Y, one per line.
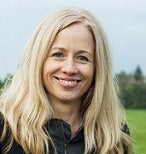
column 68, row 82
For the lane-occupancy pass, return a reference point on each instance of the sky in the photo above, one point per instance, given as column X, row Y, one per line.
column 124, row 22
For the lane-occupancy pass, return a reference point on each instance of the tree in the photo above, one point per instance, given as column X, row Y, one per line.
column 125, row 79
column 138, row 75
column 6, row 81
column 132, row 89
column 1, row 84
column 135, row 95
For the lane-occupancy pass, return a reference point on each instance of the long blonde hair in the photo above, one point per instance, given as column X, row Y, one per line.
column 25, row 105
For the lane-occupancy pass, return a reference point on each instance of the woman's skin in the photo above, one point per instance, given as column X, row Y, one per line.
column 68, row 72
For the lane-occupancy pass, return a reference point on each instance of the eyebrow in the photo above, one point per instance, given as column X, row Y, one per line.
column 60, row 48
column 79, row 51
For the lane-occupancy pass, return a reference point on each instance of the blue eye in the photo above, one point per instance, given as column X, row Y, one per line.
column 82, row 58
column 57, row 55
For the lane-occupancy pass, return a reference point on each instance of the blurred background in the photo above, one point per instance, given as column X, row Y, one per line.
column 124, row 22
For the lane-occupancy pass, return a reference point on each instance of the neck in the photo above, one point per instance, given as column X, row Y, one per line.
column 68, row 112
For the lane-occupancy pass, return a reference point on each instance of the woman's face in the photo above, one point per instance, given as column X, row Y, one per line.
column 69, row 68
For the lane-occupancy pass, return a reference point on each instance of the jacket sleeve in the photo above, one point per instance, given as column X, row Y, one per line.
column 16, row 148
column 1, row 125
column 125, row 129
column 1, row 130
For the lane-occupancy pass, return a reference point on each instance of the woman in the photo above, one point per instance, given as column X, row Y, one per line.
column 63, row 98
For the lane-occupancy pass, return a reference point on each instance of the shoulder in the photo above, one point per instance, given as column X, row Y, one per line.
column 125, row 128
column 1, row 123
column 1, row 131
column 16, row 148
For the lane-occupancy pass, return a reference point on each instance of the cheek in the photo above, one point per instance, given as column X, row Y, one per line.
column 91, row 72
column 44, row 79
column 45, row 73
column 48, row 66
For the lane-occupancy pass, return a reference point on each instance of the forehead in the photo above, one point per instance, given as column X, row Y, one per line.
column 75, row 35
column 77, row 27
column 77, row 30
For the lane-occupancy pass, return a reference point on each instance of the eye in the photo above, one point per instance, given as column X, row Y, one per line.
column 82, row 59
column 57, row 55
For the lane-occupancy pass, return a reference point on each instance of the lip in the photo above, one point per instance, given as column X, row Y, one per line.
column 68, row 82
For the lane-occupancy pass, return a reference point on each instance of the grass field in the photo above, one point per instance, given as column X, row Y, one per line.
column 137, row 125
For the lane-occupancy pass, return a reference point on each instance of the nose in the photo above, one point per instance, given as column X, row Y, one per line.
column 69, row 67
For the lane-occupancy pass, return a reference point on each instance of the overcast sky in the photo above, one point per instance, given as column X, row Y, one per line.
column 123, row 20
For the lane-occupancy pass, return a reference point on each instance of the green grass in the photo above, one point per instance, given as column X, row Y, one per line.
column 137, row 125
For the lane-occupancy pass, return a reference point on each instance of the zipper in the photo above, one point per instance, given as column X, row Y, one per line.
column 65, row 145
column 65, row 148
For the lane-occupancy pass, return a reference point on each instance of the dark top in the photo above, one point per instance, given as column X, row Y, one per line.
column 60, row 131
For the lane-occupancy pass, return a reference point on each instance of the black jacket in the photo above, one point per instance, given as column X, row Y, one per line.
column 60, row 131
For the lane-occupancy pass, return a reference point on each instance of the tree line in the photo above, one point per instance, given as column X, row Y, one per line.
column 132, row 88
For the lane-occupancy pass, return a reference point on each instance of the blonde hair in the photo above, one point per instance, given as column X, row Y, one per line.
column 24, row 104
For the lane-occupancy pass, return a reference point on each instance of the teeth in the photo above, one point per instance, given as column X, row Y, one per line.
column 68, row 82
